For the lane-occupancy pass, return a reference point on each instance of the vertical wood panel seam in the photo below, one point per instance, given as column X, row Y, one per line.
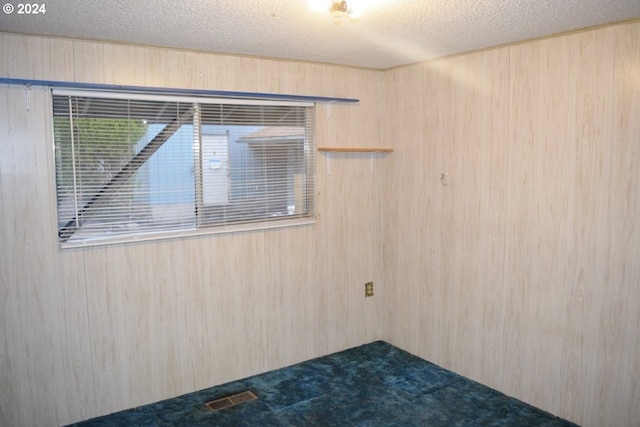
column 510, row 140
column 91, row 322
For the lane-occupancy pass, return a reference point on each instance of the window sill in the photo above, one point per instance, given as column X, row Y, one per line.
column 355, row 150
column 195, row 232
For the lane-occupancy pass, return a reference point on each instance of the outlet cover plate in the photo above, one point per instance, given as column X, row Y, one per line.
column 368, row 289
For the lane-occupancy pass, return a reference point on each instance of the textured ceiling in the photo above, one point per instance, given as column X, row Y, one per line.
column 389, row 33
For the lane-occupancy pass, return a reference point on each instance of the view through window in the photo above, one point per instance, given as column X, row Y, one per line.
column 144, row 166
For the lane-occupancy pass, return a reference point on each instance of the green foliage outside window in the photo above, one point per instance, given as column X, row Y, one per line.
column 103, row 146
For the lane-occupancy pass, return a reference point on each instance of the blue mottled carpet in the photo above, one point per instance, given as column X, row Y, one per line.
column 372, row 385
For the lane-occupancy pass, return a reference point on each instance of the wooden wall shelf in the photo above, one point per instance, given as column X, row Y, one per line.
column 356, row 150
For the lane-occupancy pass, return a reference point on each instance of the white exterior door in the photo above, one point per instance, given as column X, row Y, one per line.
column 215, row 169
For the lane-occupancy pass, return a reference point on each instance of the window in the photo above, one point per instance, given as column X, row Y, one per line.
column 131, row 167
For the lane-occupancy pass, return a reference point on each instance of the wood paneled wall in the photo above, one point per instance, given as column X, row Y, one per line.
column 522, row 272
column 86, row 332
column 519, row 270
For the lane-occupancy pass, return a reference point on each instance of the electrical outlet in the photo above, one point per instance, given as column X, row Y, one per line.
column 368, row 289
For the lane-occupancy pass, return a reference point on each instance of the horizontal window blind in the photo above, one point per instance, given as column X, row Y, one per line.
column 142, row 165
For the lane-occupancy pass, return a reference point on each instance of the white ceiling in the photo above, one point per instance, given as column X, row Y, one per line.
column 388, row 34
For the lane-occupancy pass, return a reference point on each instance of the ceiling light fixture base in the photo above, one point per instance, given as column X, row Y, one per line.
column 339, row 9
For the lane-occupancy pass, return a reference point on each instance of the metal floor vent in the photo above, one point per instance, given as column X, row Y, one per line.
column 229, row 401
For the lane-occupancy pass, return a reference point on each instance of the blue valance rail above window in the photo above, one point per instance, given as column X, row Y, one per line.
column 175, row 91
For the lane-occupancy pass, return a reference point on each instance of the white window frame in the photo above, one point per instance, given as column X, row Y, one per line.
column 291, row 218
